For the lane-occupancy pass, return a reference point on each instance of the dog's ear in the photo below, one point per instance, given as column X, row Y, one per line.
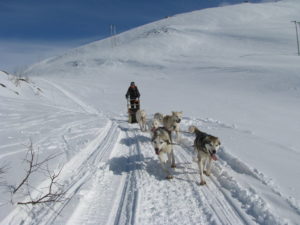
column 167, row 140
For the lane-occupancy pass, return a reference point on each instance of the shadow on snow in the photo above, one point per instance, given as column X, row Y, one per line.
column 132, row 141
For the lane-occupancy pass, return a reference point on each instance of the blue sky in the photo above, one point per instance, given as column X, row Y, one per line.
column 31, row 30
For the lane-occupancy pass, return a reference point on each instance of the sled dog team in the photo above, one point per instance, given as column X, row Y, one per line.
column 161, row 128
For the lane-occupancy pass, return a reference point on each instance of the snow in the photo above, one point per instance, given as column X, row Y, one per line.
column 232, row 70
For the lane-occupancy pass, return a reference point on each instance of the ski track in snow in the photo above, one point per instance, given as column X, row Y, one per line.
column 78, row 171
column 87, row 108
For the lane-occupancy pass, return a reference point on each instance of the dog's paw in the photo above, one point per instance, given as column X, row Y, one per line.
column 169, row 177
column 202, row 183
column 206, row 173
column 173, row 166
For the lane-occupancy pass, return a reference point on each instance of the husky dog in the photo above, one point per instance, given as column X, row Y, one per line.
column 206, row 146
column 163, row 148
column 159, row 117
column 141, row 119
column 153, row 125
column 171, row 123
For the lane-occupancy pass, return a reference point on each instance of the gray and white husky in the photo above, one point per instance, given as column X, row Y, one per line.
column 141, row 118
column 171, row 123
column 159, row 117
column 163, row 148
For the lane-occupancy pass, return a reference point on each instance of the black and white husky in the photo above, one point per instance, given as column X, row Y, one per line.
column 206, row 146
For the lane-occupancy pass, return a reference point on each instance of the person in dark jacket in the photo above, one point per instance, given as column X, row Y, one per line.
column 133, row 94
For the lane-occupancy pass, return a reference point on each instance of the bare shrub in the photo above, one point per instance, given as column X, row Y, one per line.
column 51, row 195
column 16, row 80
column 54, row 193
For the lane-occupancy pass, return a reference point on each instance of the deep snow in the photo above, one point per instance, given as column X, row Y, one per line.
column 234, row 73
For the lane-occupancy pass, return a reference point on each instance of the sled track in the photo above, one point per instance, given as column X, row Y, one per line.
column 87, row 168
column 151, row 184
column 129, row 199
column 213, row 205
column 224, row 210
column 116, row 184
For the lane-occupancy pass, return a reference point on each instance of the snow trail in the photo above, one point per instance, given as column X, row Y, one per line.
column 117, row 179
column 87, row 108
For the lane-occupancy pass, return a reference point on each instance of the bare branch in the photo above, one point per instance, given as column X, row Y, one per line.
column 50, row 196
column 31, row 166
column 54, row 192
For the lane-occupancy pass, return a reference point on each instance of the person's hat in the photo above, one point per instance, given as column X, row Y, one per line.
column 132, row 83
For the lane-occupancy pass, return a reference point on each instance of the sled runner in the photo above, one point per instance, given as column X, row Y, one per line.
column 133, row 106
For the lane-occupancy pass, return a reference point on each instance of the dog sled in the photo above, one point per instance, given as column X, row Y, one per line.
column 133, row 106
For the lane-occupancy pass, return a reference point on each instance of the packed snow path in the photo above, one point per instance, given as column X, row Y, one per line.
column 143, row 192
column 117, row 179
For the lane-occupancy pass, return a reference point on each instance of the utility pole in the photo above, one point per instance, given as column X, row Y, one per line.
column 113, row 33
column 297, row 36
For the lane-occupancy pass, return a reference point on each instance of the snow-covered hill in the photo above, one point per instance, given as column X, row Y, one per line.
column 12, row 85
column 233, row 71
